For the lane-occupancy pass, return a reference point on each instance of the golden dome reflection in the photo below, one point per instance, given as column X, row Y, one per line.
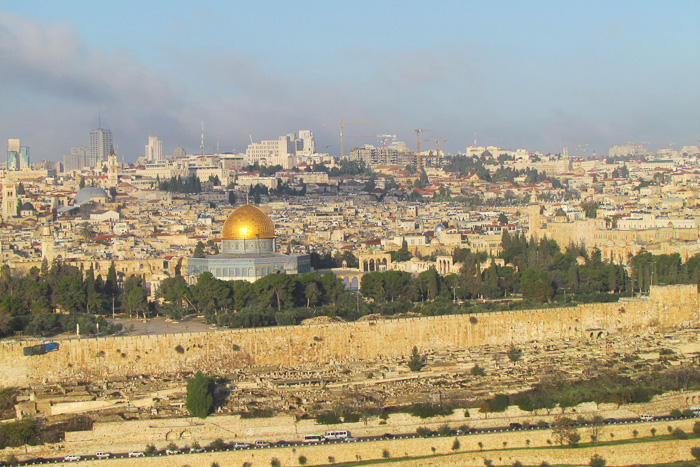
column 247, row 222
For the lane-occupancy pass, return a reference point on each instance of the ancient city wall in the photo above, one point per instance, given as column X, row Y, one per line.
column 220, row 352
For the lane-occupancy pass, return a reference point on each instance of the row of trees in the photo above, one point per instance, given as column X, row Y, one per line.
column 28, row 303
column 536, row 269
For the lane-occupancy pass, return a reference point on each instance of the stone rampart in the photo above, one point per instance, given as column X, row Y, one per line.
column 220, row 352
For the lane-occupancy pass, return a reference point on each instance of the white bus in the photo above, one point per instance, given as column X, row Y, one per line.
column 337, row 434
column 696, row 411
column 309, row 439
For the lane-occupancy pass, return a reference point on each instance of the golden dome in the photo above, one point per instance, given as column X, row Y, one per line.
column 248, row 222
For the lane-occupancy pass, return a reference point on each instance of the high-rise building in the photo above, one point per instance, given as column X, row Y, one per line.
column 17, row 156
column 100, row 142
column 154, row 149
column 306, row 145
column 76, row 160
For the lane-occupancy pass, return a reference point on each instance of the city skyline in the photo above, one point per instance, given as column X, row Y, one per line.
column 540, row 76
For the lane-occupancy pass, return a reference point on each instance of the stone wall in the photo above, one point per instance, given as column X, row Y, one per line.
column 221, row 352
column 503, row 448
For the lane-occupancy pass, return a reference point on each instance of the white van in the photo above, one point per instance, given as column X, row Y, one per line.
column 334, row 435
column 646, row 418
column 310, row 439
column 696, row 411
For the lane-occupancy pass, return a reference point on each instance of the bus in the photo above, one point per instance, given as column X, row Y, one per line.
column 337, row 434
column 311, row 439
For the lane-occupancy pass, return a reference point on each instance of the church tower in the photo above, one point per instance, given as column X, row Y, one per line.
column 9, row 198
column 112, row 169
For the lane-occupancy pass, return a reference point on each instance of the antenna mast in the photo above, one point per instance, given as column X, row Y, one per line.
column 201, row 146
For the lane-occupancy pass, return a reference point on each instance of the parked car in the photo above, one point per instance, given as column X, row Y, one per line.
column 646, row 418
column 71, row 458
column 196, row 449
column 610, row 420
column 388, row 436
column 136, row 454
column 262, row 444
column 239, row 445
column 102, row 455
column 282, row 443
column 516, row 426
column 172, row 452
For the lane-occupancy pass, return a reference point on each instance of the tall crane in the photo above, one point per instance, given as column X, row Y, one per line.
column 418, row 131
column 342, row 125
column 437, row 145
column 384, row 137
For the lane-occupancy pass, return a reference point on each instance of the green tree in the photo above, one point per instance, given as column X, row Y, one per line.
column 200, row 398
column 536, row 285
column 503, row 219
column 597, row 461
column 514, row 353
column 87, row 231
column 416, row 361
column 198, row 250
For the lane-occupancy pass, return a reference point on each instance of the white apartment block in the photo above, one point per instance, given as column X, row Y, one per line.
column 154, row 149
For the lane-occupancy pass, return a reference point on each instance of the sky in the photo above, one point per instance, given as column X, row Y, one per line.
column 539, row 75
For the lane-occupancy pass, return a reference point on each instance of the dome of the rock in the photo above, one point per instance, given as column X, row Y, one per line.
column 248, row 222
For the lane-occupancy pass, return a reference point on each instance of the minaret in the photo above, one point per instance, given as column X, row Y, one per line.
column 9, row 198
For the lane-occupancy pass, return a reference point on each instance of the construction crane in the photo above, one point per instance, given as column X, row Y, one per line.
column 342, row 125
column 437, row 145
column 384, row 137
column 418, row 131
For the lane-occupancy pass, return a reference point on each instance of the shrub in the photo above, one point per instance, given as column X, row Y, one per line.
column 179, row 349
column 171, row 447
column 696, row 428
column 150, row 450
column 444, row 430
column 488, row 462
column 499, row 403
column 217, row 444
column 456, row 445
column 423, row 431
column 275, row 462
column 386, row 454
column 679, row 434
column 384, row 416
column 477, row 371
column 351, row 418
column 463, row 428
column 302, row 460
column 429, row 410
column 695, row 452
column 517, row 464
column 327, row 418
column 514, row 353
column 247, row 464
column 12, row 460
column 688, row 413
column 675, row 413
column 214, row 464
column 544, row 464
column 331, row 459
column 653, row 432
column 597, row 461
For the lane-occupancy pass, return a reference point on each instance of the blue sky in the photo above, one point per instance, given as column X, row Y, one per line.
column 540, row 75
